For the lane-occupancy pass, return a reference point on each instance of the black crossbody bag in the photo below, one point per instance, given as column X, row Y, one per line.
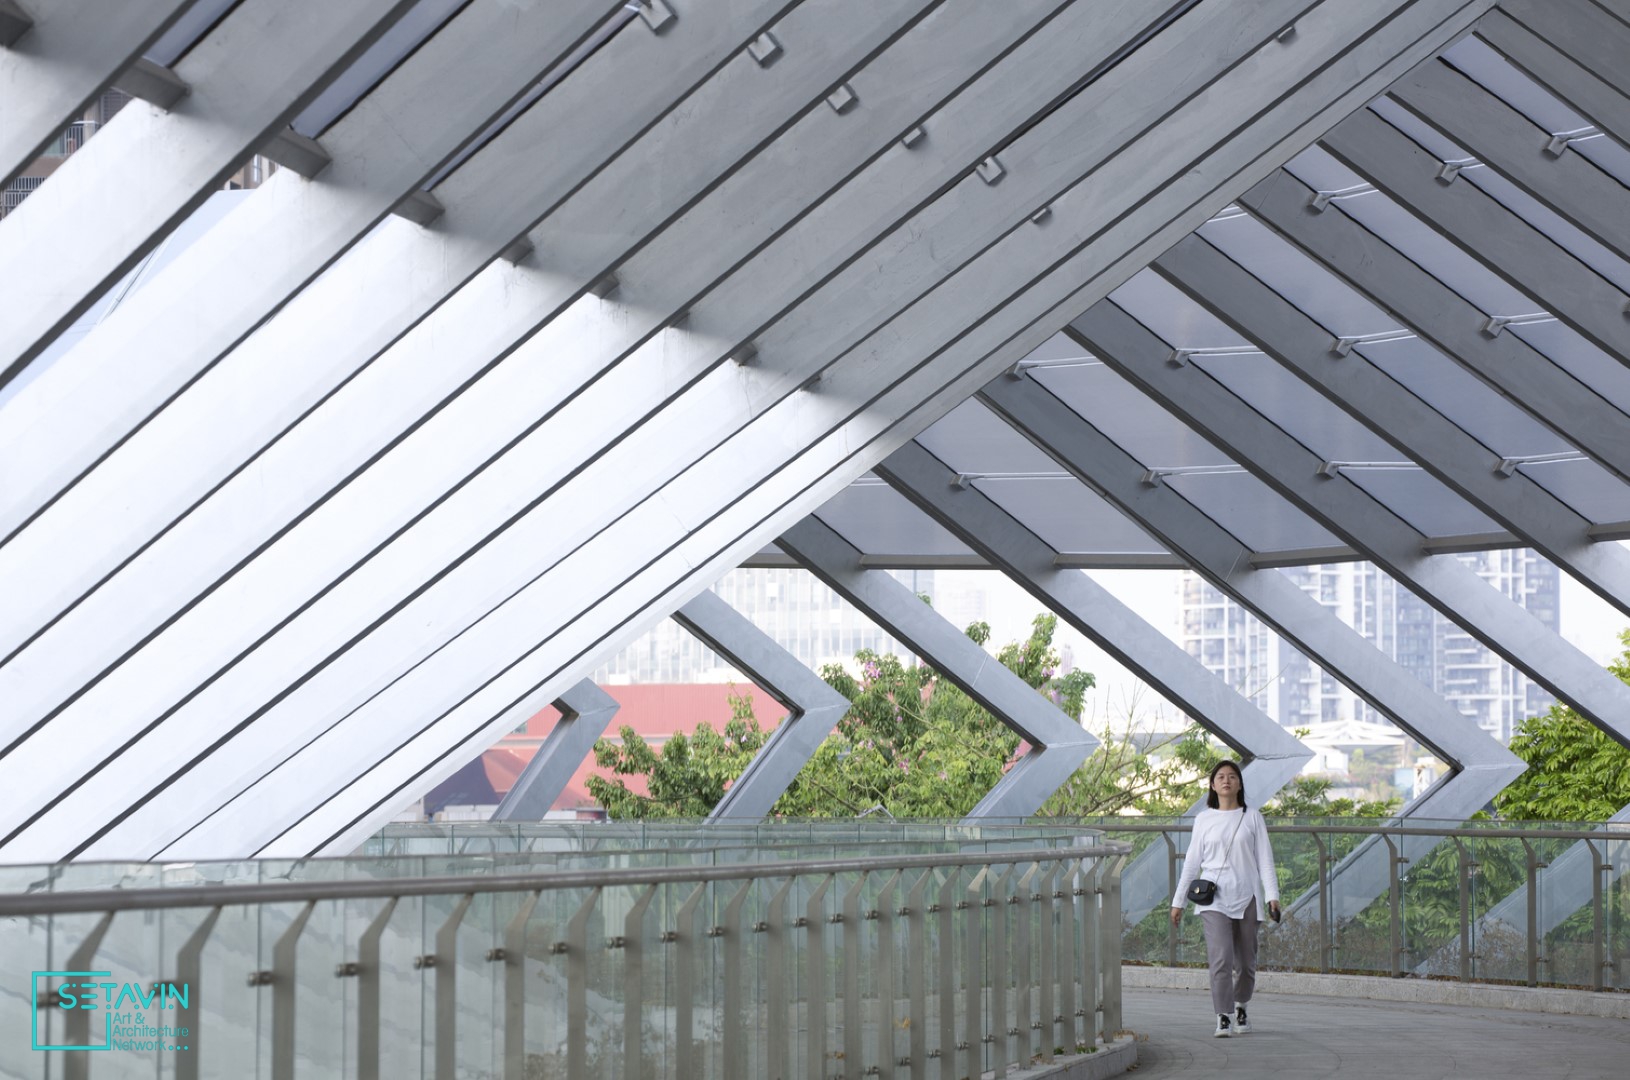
column 1202, row 891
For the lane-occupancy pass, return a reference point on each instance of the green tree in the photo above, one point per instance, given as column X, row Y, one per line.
column 1576, row 772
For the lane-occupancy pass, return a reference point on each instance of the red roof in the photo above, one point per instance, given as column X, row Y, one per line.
column 654, row 712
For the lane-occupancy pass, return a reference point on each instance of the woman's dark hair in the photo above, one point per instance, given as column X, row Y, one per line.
column 1211, row 792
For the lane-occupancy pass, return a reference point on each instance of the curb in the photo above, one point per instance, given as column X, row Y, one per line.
column 1607, row 1006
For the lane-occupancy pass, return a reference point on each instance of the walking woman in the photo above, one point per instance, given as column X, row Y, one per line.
column 1228, row 858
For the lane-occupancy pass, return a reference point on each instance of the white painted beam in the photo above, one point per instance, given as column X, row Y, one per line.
column 249, row 76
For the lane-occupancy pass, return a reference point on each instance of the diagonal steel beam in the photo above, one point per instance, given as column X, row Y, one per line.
column 1272, row 756
column 1348, row 511
column 1510, row 144
column 1443, row 317
column 1551, row 51
column 1481, row 766
column 173, row 328
column 1483, row 228
column 1015, row 326
column 249, row 76
column 814, row 707
column 67, row 54
column 1380, row 403
column 585, row 710
column 1058, row 744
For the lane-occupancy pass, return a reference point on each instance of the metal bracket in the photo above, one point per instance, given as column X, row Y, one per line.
column 1041, row 215
column 655, row 13
column 842, row 99
column 260, row 978
column 347, row 970
column 745, row 354
column 422, row 963
column 990, row 170
column 296, row 152
column 518, row 250
column 14, row 23
column 914, row 135
column 604, row 286
column 419, row 207
column 764, row 49
column 496, row 956
column 1286, row 34
column 152, row 83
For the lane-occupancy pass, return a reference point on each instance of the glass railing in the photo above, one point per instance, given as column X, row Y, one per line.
column 812, row 952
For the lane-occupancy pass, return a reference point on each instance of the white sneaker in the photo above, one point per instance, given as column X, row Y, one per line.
column 1241, row 1024
column 1222, row 1031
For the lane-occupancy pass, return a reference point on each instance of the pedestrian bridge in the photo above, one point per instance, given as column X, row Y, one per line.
column 802, row 950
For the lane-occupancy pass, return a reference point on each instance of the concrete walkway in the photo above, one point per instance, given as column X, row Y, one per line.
column 1312, row 1037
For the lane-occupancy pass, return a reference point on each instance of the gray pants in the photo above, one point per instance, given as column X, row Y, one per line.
column 1231, row 952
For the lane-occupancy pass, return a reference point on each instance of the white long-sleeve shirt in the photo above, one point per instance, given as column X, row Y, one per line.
column 1237, row 870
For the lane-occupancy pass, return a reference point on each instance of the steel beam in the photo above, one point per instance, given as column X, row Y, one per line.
column 814, row 708
column 164, row 334
column 249, row 77
column 1348, row 511
column 1506, row 141
column 585, row 710
column 1483, row 228
column 257, row 505
column 901, row 178
column 1287, row 126
column 1447, row 320
column 1059, row 744
column 1024, row 321
column 1272, row 756
column 57, row 55
column 1481, row 766
column 1391, row 411
column 1551, row 50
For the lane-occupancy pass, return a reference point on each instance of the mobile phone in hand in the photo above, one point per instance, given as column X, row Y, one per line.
column 1274, row 911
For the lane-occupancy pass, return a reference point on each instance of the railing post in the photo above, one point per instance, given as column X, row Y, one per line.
column 1324, row 903
column 76, row 1064
column 998, row 951
column 635, row 1064
column 946, row 909
column 1023, row 980
column 813, row 922
column 1110, row 948
column 368, row 993
column 189, row 972
column 1091, row 946
column 1533, row 913
column 1394, row 908
column 884, row 916
column 576, row 948
column 735, row 1041
column 1464, row 866
column 1598, row 920
column 445, row 963
column 284, row 954
column 1042, row 909
column 973, row 1026
column 1064, row 965
column 917, row 971
column 850, row 919
column 683, row 939
column 1171, row 890
column 778, row 976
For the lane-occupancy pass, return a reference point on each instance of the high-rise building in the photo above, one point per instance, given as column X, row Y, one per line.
column 793, row 606
column 1297, row 693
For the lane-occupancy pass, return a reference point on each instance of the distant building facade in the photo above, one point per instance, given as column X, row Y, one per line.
column 793, row 606
column 1296, row 693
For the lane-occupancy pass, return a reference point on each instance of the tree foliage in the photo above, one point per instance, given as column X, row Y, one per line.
column 912, row 744
column 1575, row 771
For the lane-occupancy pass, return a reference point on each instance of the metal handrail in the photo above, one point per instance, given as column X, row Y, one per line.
column 196, row 896
column 1607, row 829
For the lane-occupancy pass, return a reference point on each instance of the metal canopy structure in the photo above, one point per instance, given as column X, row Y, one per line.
column 558, row 311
